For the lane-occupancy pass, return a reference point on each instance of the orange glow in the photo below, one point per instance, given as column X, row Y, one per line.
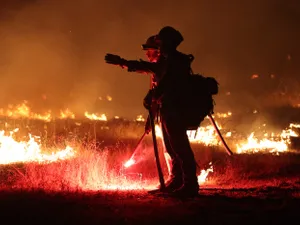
column 109, row 98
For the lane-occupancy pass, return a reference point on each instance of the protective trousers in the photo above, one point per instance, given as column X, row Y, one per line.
column 183, row 166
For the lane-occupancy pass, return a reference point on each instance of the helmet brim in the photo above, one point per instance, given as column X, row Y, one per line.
column 146, row 47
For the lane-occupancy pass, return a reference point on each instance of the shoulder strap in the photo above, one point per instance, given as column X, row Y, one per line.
column 191, row 57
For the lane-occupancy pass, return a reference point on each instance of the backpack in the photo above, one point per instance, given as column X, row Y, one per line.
column 199, row 100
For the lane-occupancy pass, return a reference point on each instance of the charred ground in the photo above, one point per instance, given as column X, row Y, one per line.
column 214, row 206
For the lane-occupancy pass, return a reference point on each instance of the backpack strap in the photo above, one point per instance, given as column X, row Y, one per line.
column 191, row 57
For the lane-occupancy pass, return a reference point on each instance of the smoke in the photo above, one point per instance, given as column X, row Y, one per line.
column 52, row 52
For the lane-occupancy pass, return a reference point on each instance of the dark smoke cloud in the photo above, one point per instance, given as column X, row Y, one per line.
column 56, row 49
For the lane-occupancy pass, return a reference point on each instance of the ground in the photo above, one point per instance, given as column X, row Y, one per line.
column 213, row 206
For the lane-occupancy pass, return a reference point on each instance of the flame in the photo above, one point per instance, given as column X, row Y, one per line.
column 205, row 135
column 98, row 174
column 294, row 125
column 228, row 134
column 93, row 116
column 275, row 144
column 140, row 118
column 64, row 114
column 203, row 175
column 222, row 115
column 270, row 143
column 254, row 145
column 23, row 111
column 158, row 131
column 12, row 151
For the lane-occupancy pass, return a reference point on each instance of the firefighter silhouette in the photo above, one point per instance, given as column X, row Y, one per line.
column 170, row 70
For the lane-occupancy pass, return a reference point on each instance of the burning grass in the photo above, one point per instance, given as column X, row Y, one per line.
column 101, row 169
column 89, row 168
column 96, row 157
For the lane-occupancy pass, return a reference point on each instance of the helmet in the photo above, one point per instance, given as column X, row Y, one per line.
column 152, row 42
column 170, row 37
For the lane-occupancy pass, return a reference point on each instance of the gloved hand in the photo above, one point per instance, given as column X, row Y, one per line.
column 114, row 59
column 148, row 126
column 148, row 100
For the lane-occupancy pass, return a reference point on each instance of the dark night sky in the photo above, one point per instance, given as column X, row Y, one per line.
column 57, row 48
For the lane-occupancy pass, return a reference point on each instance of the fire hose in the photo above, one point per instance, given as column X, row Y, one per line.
column 229, row 152
column 159, row 170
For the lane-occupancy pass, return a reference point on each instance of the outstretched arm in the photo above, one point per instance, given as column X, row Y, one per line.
column 131, row 65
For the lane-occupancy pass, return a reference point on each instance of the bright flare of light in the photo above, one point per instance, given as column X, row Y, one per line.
column 129, row 163
column 12, row 151
column 93, row 116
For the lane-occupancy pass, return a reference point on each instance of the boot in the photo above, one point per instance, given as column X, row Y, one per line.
column 171, row 185
column 186, row 191
column 190, row 187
